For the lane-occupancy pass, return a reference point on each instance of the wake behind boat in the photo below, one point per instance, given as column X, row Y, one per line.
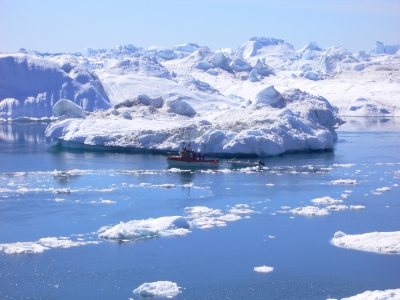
column 187, row 158
column 245, row 164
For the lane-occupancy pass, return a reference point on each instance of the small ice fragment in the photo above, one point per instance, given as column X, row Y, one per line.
column 263, row 269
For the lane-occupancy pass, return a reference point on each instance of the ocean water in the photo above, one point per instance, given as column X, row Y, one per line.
column 38, row 202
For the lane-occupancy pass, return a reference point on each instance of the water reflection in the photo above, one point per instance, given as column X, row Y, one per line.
column 370, row 124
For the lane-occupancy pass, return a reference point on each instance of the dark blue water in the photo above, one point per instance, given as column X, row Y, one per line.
column 207, row 264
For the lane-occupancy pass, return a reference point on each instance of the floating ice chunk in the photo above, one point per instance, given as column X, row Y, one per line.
column 62, row 191
column 158, row 288
column 237, row 211
column 310, row 211
column 325, row 201
column 378, row 242
column 41, row 245
column 229, row 217
column 270, row 184
column 337, row 207
column 285, row 207
column 22, row 248
column 393, row 294
column 150, row 228
column 357, row 207
column 54, row 242
column 68, row 108
column 344, row 181
column 345, row 196
column 383, row 189
column 263, row 269
column 165, row 186
column 108, row 202
column 197, row 211
column 271, row 237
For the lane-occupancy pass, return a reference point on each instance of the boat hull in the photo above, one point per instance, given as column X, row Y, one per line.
column 179, row 163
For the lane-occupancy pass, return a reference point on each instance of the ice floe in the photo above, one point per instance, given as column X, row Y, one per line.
column 325, row 201
column 263, row 269
column 145, row 229
column 158, row 288
column 357, row 207
column 391, row 294
column 378, row 242
column 310, row 211
column 41, row 245
column 344, row 181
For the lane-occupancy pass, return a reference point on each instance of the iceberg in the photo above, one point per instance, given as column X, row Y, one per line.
column 391, row 294
column 377, row 242
column 31, row 85
column 273, row 124
column 145, row 229
column 158, row 288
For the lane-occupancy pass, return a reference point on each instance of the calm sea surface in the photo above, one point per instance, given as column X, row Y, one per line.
column 37, row 202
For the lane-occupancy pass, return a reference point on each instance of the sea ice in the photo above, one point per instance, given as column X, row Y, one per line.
column 310, row 211
column 145, row 229
column 378, row 242
column 391, row 294
column 344, row 181
column 158, row 288
column 357, row 207
column 263, row 269
column 325, row 201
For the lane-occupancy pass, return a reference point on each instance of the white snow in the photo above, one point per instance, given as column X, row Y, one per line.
column 263, row 269
column 158, row 288
column 145, row 229
column 391, row 294
column 378, row 242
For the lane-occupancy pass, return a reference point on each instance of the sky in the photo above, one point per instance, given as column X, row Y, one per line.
column 72, row 25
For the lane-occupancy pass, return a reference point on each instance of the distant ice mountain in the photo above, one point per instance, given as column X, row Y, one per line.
column 32, row 82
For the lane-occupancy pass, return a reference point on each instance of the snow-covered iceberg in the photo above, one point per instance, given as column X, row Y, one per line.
column 145, row 229
column 158, row 288
column 272, row 124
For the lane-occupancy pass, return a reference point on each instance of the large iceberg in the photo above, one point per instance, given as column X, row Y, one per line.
column 30, row 86
column 275, row 123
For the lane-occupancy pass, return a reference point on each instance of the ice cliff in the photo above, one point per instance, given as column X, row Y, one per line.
column 31, row 85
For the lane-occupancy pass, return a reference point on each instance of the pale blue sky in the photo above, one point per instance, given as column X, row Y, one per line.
column 71, row 25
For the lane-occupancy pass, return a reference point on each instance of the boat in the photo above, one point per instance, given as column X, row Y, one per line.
column 245, row 164
column 187, row 158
